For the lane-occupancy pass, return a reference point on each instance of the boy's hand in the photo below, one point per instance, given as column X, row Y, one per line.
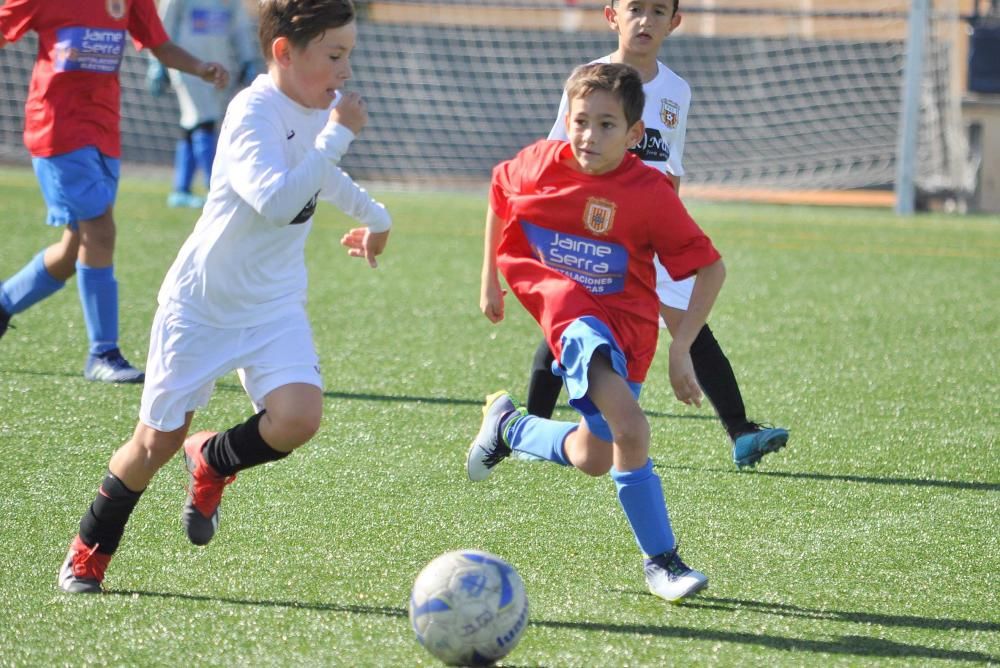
column 682, row 377
column 491, row 300
column 350, row 112
column 215, row 74
column 362, row 242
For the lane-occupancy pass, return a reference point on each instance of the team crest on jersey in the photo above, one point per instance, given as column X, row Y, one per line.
column 116, row 8
column 670, row 112
column 599, row 215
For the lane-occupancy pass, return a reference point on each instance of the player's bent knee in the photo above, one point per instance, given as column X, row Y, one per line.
column 594, row 469
column 593, row 461
column 295, row 429
column 632, row 435
column 155, row 449
column 98, row 233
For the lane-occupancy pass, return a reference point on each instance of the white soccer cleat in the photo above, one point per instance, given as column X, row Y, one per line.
column 671, row 579
column 489, row 447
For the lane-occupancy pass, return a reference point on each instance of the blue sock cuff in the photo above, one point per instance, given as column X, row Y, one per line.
column 38, row 264
column 540, row 437
column 96, row 273
column 632, row 477
column 28, row 286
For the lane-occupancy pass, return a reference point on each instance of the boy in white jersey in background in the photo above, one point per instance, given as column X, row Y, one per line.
column 234, row 298
column 223, row 29
column 642, row 27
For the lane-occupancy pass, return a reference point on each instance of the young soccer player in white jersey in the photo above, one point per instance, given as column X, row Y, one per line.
column 234, row 298
column 642, row 27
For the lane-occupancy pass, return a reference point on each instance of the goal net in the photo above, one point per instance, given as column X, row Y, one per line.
column 800, row 94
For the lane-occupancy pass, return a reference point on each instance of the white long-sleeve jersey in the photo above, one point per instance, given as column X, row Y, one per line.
column 244, row 263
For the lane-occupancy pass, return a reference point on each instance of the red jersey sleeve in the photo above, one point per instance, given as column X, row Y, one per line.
column 501, row 188
column 145, row 26
column 16, row 18
column 681, row 246
column 519, row 175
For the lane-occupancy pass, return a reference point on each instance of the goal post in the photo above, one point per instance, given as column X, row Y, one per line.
column 909, row 125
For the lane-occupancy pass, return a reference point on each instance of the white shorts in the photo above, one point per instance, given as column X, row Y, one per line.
column 676, row 294
column 185, row 359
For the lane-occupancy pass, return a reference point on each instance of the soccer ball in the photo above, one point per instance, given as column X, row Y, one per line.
column 468, row 608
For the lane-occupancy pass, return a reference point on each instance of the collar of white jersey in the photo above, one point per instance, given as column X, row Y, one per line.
column 264, row 80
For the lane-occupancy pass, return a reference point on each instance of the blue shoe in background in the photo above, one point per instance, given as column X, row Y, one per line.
column 179, row 200
column 749, row 447
column 111, row 367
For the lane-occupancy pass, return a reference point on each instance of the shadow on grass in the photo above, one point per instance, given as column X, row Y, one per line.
column 450, row 401
column 875, row 480
column 785, row 610
column 849, row 645
column 384, row 611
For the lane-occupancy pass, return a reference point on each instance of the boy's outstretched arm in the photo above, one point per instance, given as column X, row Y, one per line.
column 177, row 58
column 707, row 284
column 490, row 292
column 369, row 241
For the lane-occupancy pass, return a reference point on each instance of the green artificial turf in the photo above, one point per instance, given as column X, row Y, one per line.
column 873, row 538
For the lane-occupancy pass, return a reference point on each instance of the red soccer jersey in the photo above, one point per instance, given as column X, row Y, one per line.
column 575, row 244
column 73, row 100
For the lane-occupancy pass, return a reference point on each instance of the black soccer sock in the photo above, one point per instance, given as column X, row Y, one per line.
column 239, row 448
column 104, row 522
column 717, row 380
column 543, row 385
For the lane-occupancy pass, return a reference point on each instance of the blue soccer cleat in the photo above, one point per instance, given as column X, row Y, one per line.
column 671, row 579
column 750, row 447
column 111, row 367
column 180, row 200
column 489, row 447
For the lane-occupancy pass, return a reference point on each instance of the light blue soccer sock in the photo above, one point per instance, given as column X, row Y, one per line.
column 184, row 166
column 99, row 299
column 27, row 287
column 203, row 144
column 539, row 437
column 641, row 496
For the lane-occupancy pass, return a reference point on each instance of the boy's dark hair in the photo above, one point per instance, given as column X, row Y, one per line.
column 676, row 4
column 621, row 80
column 301, row 21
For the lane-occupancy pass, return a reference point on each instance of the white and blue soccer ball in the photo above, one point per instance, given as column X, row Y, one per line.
column 468, row 608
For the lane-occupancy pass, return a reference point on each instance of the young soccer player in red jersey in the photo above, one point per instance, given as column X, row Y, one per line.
column 642, row 27
column 71, row 130
column 573, row 227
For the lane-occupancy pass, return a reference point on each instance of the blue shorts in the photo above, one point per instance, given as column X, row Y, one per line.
column 79, row 185
column 583, row 339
